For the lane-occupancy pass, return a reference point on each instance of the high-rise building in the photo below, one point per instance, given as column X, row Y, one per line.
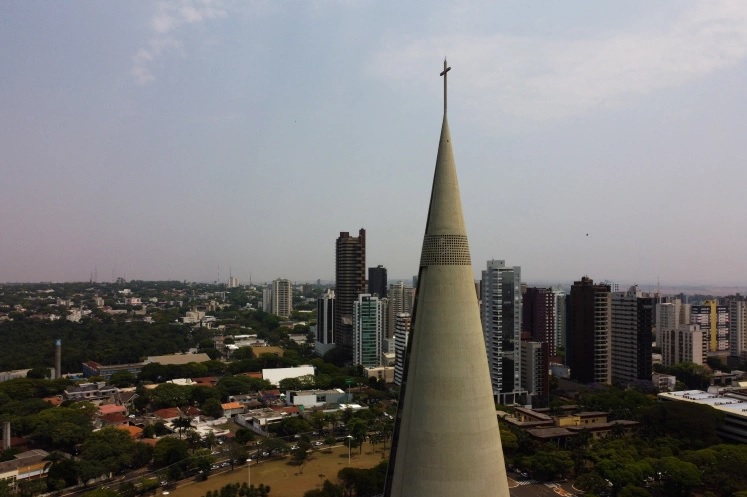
column 738, row 330
column 539, row 316
column 401, row 335
column 632, row 324
column 501, row 324
column 377, row 281
column 535, row 372
column 350, row 281
column 267, row 299
column 282, row 298
column 233, row 282
column 561, row 311
column 713, row 320
column 401, row 298
column 368, row 323
column 588, row 337
column 458, row 451
column 325, row 311
column 683, row 344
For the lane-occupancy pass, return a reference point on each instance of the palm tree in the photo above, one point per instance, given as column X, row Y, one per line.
column 181, row 424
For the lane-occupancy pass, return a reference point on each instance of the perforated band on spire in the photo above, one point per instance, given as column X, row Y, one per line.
column 445, row 250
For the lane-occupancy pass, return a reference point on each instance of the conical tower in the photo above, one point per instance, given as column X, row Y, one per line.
column 446, row 436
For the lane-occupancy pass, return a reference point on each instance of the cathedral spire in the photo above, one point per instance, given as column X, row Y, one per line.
column 446, row 438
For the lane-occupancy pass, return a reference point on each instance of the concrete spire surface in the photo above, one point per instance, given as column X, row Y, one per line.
column 446, row 437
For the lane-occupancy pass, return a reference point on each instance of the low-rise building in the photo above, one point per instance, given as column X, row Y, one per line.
column 91, row 392
column 733, row 404
column 314, row 398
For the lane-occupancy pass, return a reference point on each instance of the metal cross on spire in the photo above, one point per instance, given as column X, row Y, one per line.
column 443, row 73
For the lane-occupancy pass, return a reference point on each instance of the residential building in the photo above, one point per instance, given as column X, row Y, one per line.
column 589, row 338
column 401, row 335
column 368, row 323
column 501, row 324
column 683, row 344
column 539, row 317
column 325, row 312
column 738, row 330
column 535, row 372
column 401, row 298
column 713, row 319
column 350, row 281
column 282, row 298
column 632, row 324
column 267, row 299
column 233, row 282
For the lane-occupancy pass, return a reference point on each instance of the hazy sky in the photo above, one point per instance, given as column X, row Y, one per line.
column 175, row 140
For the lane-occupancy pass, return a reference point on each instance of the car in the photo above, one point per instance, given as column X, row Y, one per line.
column 318, row 443
column 265, row 454
column 224, row 464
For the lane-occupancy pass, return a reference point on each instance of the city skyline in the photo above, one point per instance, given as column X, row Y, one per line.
column 165, row 141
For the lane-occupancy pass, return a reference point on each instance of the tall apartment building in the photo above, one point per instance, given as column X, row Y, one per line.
column 535, row 372
column 501, row 324
column 368, row 322
column 401, row 299
column 588, row 337
column 561, row 320
column 377, row 281
column 539, row 316
column 233, row 282
column 267, row 299
column 683, row 344
column 632, row 324
column 713, row 319
column 401, row 335
column 282, row 298
column 350, row 281
column 325, row 312
column 738, row 330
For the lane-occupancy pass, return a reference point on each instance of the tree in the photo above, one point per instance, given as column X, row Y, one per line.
column 679, row 476
column 181, row 424
column 202, row 461
column 168, row 451
column 244, row 436
column 110, row 448
column 171, row 395
column 592, row 482
column 358, row 428
column 38, row 373
column 301, row 453
column 634, row 491
column 122, row 379
column 549, row 463
column 213, row 408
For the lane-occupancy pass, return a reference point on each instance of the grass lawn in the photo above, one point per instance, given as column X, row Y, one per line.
column 288, row 480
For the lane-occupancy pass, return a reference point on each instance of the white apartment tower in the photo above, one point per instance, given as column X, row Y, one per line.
column 501, row 325
column 282, row 298
column 401, row 298
column 401, row 335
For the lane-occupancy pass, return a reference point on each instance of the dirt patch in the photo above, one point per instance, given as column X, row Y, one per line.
column 288, row 480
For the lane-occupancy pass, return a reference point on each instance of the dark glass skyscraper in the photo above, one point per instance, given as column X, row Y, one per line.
column 377, row 284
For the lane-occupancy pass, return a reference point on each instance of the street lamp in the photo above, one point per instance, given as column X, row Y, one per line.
column 350, row 439
column 249, row 473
